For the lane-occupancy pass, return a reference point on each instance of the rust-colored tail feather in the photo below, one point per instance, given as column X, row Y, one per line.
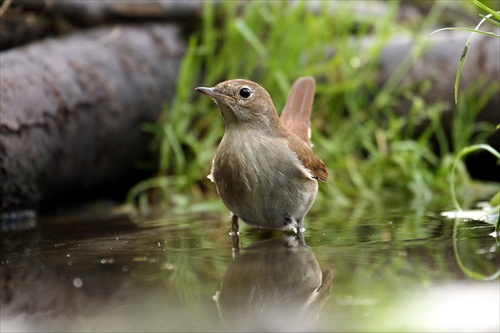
column 297, row 112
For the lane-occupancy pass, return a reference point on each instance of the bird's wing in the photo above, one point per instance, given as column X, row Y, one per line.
column 308, row 159
column 297, row 112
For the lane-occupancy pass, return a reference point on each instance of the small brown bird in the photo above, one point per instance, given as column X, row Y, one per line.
column 264, row 169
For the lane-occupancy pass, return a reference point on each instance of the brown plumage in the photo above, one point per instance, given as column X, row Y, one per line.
column 265, row 170
column 296, row 114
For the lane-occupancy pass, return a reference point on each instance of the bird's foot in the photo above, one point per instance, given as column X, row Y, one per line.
column 299, row 230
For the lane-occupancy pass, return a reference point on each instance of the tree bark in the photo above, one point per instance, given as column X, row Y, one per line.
column 27, row 20
column 72, row 109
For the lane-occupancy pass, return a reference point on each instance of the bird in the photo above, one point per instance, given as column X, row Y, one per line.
column 275, row 285
column 264, row 169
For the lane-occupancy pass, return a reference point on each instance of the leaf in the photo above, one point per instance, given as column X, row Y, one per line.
column 469, row 41
column 465, row 151
column 490, row 20
column 491, row 12
column 487, row 33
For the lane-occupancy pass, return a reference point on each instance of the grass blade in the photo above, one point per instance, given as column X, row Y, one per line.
column 464, row 152
column 491, row 12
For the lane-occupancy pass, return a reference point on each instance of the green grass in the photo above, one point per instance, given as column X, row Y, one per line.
column 371, row 152
column 492, row 17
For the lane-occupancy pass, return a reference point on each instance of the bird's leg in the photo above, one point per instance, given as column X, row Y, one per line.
column 300, row 236
column 235, row 238
column 235, row 225
column 299, row 231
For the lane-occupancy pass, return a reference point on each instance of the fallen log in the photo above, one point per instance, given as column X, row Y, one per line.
column 72, row 109
column 27, row 20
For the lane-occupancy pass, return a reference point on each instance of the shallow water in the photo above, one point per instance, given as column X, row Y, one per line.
column 352, row 271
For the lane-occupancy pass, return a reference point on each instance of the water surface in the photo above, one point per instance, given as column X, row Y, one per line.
column 352, row 271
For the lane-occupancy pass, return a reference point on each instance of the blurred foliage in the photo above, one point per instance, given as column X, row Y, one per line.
column 371, row 151
column 492, row 17
column 464, row 117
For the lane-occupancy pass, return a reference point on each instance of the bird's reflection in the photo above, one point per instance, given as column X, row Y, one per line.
column 273, row 285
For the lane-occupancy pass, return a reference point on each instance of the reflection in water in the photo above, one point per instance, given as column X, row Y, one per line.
column 477, row 258
column 115, row 277
column 58, row 280
column 273, row 285
column 62, row 278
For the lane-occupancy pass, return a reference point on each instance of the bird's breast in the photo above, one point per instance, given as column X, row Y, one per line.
column 251, row 161
column 262, row 181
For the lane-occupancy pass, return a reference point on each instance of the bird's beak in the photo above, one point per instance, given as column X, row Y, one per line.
column 212, row 92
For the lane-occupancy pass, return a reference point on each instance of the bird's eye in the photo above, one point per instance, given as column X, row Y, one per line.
column 245, row 92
